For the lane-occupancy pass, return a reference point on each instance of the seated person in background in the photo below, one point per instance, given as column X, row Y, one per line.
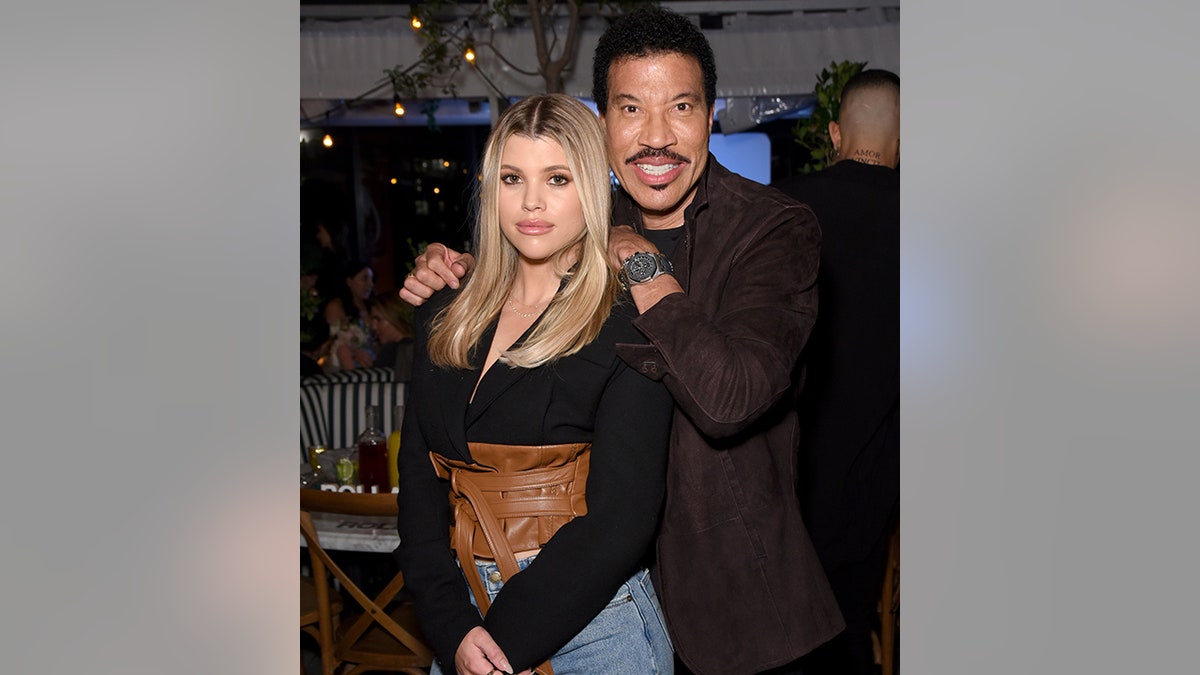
column 387, row 317
column 314, row 332
column 521, row 364
column 346, row 315
column 322, row 257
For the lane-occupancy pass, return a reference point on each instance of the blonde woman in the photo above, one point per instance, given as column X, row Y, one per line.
column 522, row 362
column 386, row 313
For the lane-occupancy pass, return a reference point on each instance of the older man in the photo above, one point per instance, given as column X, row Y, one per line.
column 723, row 271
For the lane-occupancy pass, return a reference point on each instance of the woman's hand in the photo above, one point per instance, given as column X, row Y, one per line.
column 478, row 654
column 345, row 355
column 362, row 358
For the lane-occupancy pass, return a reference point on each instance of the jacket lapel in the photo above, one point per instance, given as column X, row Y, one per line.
column 498, row 379
column 442, row 408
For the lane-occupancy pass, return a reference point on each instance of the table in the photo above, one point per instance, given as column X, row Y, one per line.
column 349, row 532
column 372, row 534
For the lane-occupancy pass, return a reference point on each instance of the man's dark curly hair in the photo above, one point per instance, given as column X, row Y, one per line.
column 650, row 31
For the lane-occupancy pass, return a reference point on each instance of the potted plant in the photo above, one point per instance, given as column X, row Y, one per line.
column 813, row 133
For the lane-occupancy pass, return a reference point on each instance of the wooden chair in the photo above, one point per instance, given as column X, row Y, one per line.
column 889, row 606
column 385, row 636
column 310, row 612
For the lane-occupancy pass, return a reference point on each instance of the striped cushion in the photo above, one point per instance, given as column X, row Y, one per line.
column 333, row 406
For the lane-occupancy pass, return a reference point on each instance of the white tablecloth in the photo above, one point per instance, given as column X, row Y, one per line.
column 356, row 533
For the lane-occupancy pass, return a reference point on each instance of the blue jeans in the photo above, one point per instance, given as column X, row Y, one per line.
column 628, row 637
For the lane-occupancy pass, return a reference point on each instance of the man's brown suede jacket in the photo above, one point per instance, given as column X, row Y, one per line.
column 740, row 584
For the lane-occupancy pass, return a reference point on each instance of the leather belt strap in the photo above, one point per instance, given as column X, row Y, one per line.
column 515, row 496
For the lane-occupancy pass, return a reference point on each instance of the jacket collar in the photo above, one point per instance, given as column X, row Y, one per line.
column 626, row 212
column 498, row 379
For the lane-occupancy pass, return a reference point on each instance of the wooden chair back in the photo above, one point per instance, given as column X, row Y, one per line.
column 889, row 606
column 316, row 621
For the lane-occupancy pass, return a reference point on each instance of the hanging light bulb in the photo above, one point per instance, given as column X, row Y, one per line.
column 469, row 55
column 416, row 22
column 327, row 141
column 399, row 109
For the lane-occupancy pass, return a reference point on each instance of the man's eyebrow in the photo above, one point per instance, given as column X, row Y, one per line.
column 683, row 95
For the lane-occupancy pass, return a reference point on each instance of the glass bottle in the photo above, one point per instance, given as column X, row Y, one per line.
column 372, row 454
column 393, row 444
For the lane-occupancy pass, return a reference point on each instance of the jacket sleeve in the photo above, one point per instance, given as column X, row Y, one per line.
column 424, row 554
column 728, row 355
column 579, row 570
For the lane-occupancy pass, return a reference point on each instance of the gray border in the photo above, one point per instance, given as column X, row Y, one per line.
column 1049, row 325
column 148, row 256
column 148, row 199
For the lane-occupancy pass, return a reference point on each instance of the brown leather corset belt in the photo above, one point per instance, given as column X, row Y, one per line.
column 514, row 498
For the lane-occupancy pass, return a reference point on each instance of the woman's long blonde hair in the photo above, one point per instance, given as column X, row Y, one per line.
column 576, row 314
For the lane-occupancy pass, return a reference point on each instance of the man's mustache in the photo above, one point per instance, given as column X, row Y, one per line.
column 652, row 152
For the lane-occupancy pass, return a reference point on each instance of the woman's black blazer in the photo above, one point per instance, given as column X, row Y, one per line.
column 588, row 396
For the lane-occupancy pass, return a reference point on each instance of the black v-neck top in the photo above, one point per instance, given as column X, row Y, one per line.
column 665, row 240
column 590, row 396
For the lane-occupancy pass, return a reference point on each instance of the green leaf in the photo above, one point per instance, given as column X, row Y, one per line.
column 812, row 134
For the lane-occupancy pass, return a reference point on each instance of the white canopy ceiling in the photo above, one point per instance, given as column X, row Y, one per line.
column 763, row 48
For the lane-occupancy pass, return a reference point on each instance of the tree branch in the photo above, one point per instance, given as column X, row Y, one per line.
column 553, row 70
column 492, row 47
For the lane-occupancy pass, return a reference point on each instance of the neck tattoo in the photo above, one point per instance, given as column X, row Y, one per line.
column 867, row 157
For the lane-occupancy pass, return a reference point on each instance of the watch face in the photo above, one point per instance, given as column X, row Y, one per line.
column 640, row 267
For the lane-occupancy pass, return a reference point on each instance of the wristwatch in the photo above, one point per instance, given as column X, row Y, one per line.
column 642, row 267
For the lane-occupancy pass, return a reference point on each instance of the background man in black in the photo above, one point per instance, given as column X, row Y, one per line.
column 850, row 405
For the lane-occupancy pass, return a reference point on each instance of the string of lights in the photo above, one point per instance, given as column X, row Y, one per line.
column 402, row 80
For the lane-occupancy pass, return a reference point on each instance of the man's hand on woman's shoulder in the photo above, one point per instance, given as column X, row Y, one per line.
column 438, row 266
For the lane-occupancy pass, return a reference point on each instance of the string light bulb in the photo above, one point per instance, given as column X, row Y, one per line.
column 469, row 55
column 399, row 107
column 327, row 141
column 416, row 22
